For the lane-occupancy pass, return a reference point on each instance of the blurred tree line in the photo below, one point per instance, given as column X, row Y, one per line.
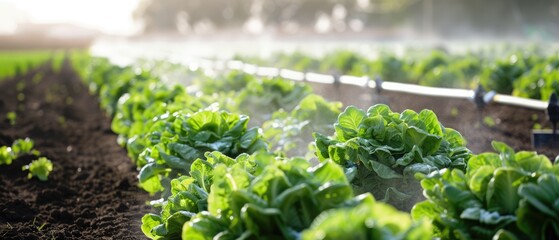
column 440, row 17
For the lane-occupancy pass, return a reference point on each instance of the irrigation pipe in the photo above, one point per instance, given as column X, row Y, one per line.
column 386, row 85
column 195, row 63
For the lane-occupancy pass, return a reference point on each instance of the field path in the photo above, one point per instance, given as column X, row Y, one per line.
column 92, row 192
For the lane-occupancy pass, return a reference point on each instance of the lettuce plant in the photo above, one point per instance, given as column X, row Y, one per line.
column 7, row 156
column 176, row 142
column 291, row 132
column 391, row 68
column 19, row 148
column 234, row 81
column 39, row 168
column 12, row 117
column 502, row 76
column 495, row 198
column 23, row 146
column 423, row 66
column 540, row 200
column 539, row 83
column 382, row 150
column 297, row 61
column 262, row 98
column 345, row 62
column 278, row 201
column 367, row 220
column 190, row 194
column 140, row 109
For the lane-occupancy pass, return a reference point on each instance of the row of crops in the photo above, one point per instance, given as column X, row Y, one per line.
column 530, row 74
column 218, row 174
column 18, row 62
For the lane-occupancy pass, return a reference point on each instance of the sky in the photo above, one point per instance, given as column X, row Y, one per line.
column 107, row 16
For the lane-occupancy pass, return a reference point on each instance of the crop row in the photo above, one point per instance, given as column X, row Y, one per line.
column 520, row 72
column 14, row 63
column 220, row 176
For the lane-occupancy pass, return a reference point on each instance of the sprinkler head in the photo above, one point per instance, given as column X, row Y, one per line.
column 482, row 98
column 553, row 109
column 378, row 84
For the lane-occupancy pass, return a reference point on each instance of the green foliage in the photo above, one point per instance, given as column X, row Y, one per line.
column 102, row 82
column 426, row 65
column 489, row 121
column 22, row 146
column 367, row 220
column 501, row 76
column 212, row 188
column 7, row 156
column 287, row 132
column 381, row 150
column 279, row 200
column 176, row 142
column 487, row 201
column 145, row 104
column 266, row 96
column 19, row 148
column 234, row 81
column 257, row 97
column 190, row 194
column 540, row 201
column 39, row 168
column 391, row 68
column 443, row 77
column 519, row 71
column 347, row 62
column 19, row 62
column 469, row 66
column 12, row 117
column 298, row 61
column 539, row 83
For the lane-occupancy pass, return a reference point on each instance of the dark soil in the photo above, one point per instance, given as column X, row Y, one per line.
column 92, row 192
column 513, row 125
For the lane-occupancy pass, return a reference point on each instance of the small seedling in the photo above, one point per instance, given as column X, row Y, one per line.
column 69, row 101
column 39, row 168
column 39, row 227
column 20, row 86
column 37, row 78
column 19, row 147
column 454, row 112
column 20, row 97
column 22, row 146
column 11, row 116
column 6, row 155
column 61, row 120
column 489, row 121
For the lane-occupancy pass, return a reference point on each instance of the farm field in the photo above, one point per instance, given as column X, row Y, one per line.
column 135, row 156
column 279, row 120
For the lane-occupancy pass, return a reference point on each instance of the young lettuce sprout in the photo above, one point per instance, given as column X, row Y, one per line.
column 11, row 116
column 39, row 168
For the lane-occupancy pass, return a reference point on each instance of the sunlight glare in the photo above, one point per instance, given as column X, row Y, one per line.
column 108, row 16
